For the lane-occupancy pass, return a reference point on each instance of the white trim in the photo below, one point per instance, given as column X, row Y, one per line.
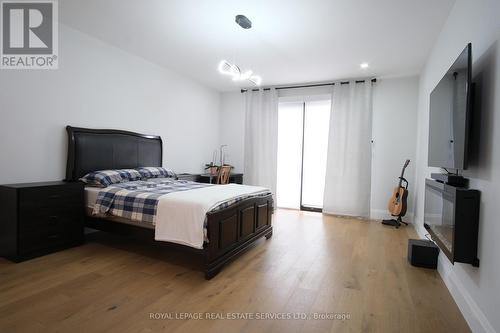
column 468, row 307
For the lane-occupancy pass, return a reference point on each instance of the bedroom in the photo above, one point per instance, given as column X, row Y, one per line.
column 155, row 68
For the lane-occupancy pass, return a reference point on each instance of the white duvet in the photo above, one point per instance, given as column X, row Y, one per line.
column 180, row 216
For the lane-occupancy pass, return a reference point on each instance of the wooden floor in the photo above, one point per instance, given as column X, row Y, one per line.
column 313, row 264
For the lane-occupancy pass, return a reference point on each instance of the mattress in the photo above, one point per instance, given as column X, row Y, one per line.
column 91, row 196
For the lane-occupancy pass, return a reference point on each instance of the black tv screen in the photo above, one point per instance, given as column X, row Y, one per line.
column 450, row 104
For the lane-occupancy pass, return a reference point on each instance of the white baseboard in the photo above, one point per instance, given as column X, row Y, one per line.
column 468, row 307
column 380, row 214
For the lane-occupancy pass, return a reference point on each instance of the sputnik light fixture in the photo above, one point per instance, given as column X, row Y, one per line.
column 227, row 68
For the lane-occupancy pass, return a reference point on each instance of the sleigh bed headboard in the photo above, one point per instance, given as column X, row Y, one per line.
column 101, row 149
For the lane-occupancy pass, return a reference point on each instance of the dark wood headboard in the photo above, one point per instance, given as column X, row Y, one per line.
column 101, row 149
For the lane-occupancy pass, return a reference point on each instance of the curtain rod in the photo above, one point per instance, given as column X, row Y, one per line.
column 310, row 85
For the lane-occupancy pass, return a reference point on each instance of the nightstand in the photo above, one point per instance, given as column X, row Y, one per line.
column 40, row 218
column 189, row 176
column 234, row 178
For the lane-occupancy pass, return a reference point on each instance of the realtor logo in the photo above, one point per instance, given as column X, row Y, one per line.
column 29, row 35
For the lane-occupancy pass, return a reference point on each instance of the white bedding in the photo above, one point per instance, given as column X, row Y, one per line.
column 180, row 216
column 91, row 193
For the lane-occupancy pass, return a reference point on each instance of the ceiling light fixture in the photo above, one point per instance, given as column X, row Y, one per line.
column 364, row 65
column 227, row 68
column 243, row 76
column 255, row 79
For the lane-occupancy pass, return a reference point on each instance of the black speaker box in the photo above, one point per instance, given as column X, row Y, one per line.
column 423, row 253
column 450, row 179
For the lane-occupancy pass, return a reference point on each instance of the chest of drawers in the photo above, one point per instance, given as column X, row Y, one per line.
column 40, row 218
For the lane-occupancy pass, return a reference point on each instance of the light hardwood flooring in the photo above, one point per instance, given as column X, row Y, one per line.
column 312, row 264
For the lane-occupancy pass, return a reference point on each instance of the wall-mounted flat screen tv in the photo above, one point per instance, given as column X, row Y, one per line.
column 450, row 108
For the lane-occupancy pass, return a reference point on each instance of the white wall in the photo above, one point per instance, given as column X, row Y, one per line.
column 232, row 128
column 394, row 134
column 476, row 290
column 100, row 86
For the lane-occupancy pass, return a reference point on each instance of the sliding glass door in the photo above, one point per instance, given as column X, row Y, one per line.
column 302, row 149
column 316, row 125
column 290, row 128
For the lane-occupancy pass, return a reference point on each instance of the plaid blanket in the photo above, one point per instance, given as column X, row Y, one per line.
column 138, row 200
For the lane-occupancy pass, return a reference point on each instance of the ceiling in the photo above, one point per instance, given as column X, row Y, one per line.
column 291, row 41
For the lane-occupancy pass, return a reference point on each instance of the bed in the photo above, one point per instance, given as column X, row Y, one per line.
column 229, row 229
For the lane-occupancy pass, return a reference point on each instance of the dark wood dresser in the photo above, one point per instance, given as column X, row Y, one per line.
column 40, row 218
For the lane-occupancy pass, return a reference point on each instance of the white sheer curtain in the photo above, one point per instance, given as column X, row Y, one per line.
column 261, row 138
column 348, row 168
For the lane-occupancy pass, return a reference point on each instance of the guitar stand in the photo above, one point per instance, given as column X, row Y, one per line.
column 394, row 222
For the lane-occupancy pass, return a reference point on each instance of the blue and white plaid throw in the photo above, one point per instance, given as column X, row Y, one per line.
column 137, row 200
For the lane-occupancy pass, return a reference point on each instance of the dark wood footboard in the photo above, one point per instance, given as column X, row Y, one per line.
column 230, row 231
column 234, row 229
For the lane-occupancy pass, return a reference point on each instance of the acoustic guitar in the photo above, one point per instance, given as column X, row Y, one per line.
column 398, row 201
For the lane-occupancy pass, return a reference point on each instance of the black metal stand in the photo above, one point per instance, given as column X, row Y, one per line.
column 394, row 222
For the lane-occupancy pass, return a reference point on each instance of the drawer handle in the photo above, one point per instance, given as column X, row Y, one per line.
column 54, row 236
column 54, row 196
